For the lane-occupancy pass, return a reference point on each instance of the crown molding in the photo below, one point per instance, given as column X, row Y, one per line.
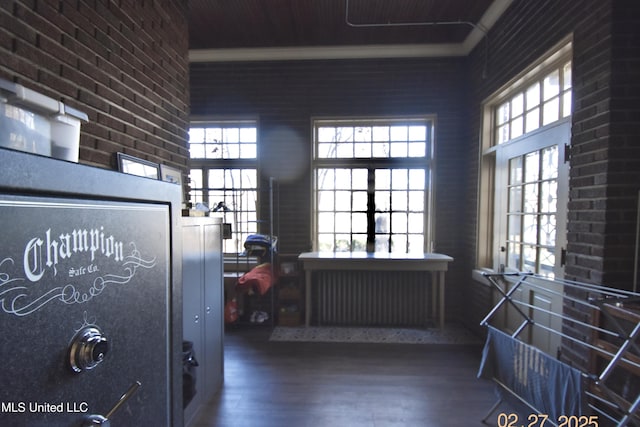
column 325, row 52
column 297, row 53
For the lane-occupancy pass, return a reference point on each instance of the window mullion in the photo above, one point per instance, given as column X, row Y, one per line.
column 371, row 210
column 539, row 213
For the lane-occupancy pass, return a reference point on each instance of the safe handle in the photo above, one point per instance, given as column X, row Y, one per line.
column 105, row 421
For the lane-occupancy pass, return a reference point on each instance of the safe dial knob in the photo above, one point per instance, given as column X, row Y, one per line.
column 88, row 348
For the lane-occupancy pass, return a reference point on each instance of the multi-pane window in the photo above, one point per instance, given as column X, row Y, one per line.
column 531, row 213
column 372, row 184
column 540, row 103
column 372, row 141
column 524, row 175
column 223, row 141
column 224, row 175
column 400, row 210
column 342, row 209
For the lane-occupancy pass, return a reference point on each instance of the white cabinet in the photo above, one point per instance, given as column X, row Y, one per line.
column 203, row 311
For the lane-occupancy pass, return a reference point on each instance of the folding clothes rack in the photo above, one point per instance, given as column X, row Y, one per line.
column 605, row 391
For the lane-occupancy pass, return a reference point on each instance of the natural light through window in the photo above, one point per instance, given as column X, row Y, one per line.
column 532, row 208
column 222, row 142
column 524, row 172
column 224, row 175
column 541, row 103
column 372, row 181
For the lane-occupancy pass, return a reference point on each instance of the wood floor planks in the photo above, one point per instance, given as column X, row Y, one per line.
column 335, row 384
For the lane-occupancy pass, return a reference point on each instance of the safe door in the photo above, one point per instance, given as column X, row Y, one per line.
column 84, row 312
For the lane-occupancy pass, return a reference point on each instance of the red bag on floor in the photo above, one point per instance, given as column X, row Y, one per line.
column 231, row 311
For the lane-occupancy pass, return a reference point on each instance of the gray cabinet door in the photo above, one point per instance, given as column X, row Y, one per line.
column 203, row 305
column 193, row 315
column 213, row 307
column 68, row 266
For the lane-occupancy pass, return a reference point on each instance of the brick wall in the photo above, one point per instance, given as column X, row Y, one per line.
column 525, row 32
column 285, row 96
column 605, row 158
column 590, row 152
column 123, row 62
column 623, row 175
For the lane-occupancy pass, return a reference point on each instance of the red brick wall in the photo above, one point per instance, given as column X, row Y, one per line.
column 123, row 62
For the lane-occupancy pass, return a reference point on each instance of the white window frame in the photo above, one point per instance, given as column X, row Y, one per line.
column 494, row 166
column 373, row 163
column 235, row 208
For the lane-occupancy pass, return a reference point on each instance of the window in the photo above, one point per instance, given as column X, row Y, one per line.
column 532, row 192
column 542, row 102
column 372, row 184
column 223, row 141
column 524, row 175
column 224, row 174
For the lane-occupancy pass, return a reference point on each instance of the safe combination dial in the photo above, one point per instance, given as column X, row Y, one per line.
column 88, row 348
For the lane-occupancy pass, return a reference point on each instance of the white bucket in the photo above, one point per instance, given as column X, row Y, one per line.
column 35, row 123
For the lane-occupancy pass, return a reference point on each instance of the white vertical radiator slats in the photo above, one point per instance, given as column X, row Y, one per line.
column 373, row 298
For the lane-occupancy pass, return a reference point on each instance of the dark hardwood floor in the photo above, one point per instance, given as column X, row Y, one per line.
column 334, row 384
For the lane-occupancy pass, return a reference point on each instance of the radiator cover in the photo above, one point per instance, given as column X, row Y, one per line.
column 372, row 298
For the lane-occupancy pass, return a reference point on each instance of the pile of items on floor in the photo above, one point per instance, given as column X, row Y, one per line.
column 257, row 281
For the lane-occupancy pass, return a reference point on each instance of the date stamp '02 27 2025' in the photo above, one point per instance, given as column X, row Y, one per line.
column 542, row 420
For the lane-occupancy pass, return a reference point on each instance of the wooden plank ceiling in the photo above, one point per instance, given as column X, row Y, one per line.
column 223, row 24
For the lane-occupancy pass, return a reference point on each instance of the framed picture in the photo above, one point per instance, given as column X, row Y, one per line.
column 135, row 166
column 170, row 174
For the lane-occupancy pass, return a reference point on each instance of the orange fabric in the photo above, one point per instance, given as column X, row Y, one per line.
column 258, row 279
